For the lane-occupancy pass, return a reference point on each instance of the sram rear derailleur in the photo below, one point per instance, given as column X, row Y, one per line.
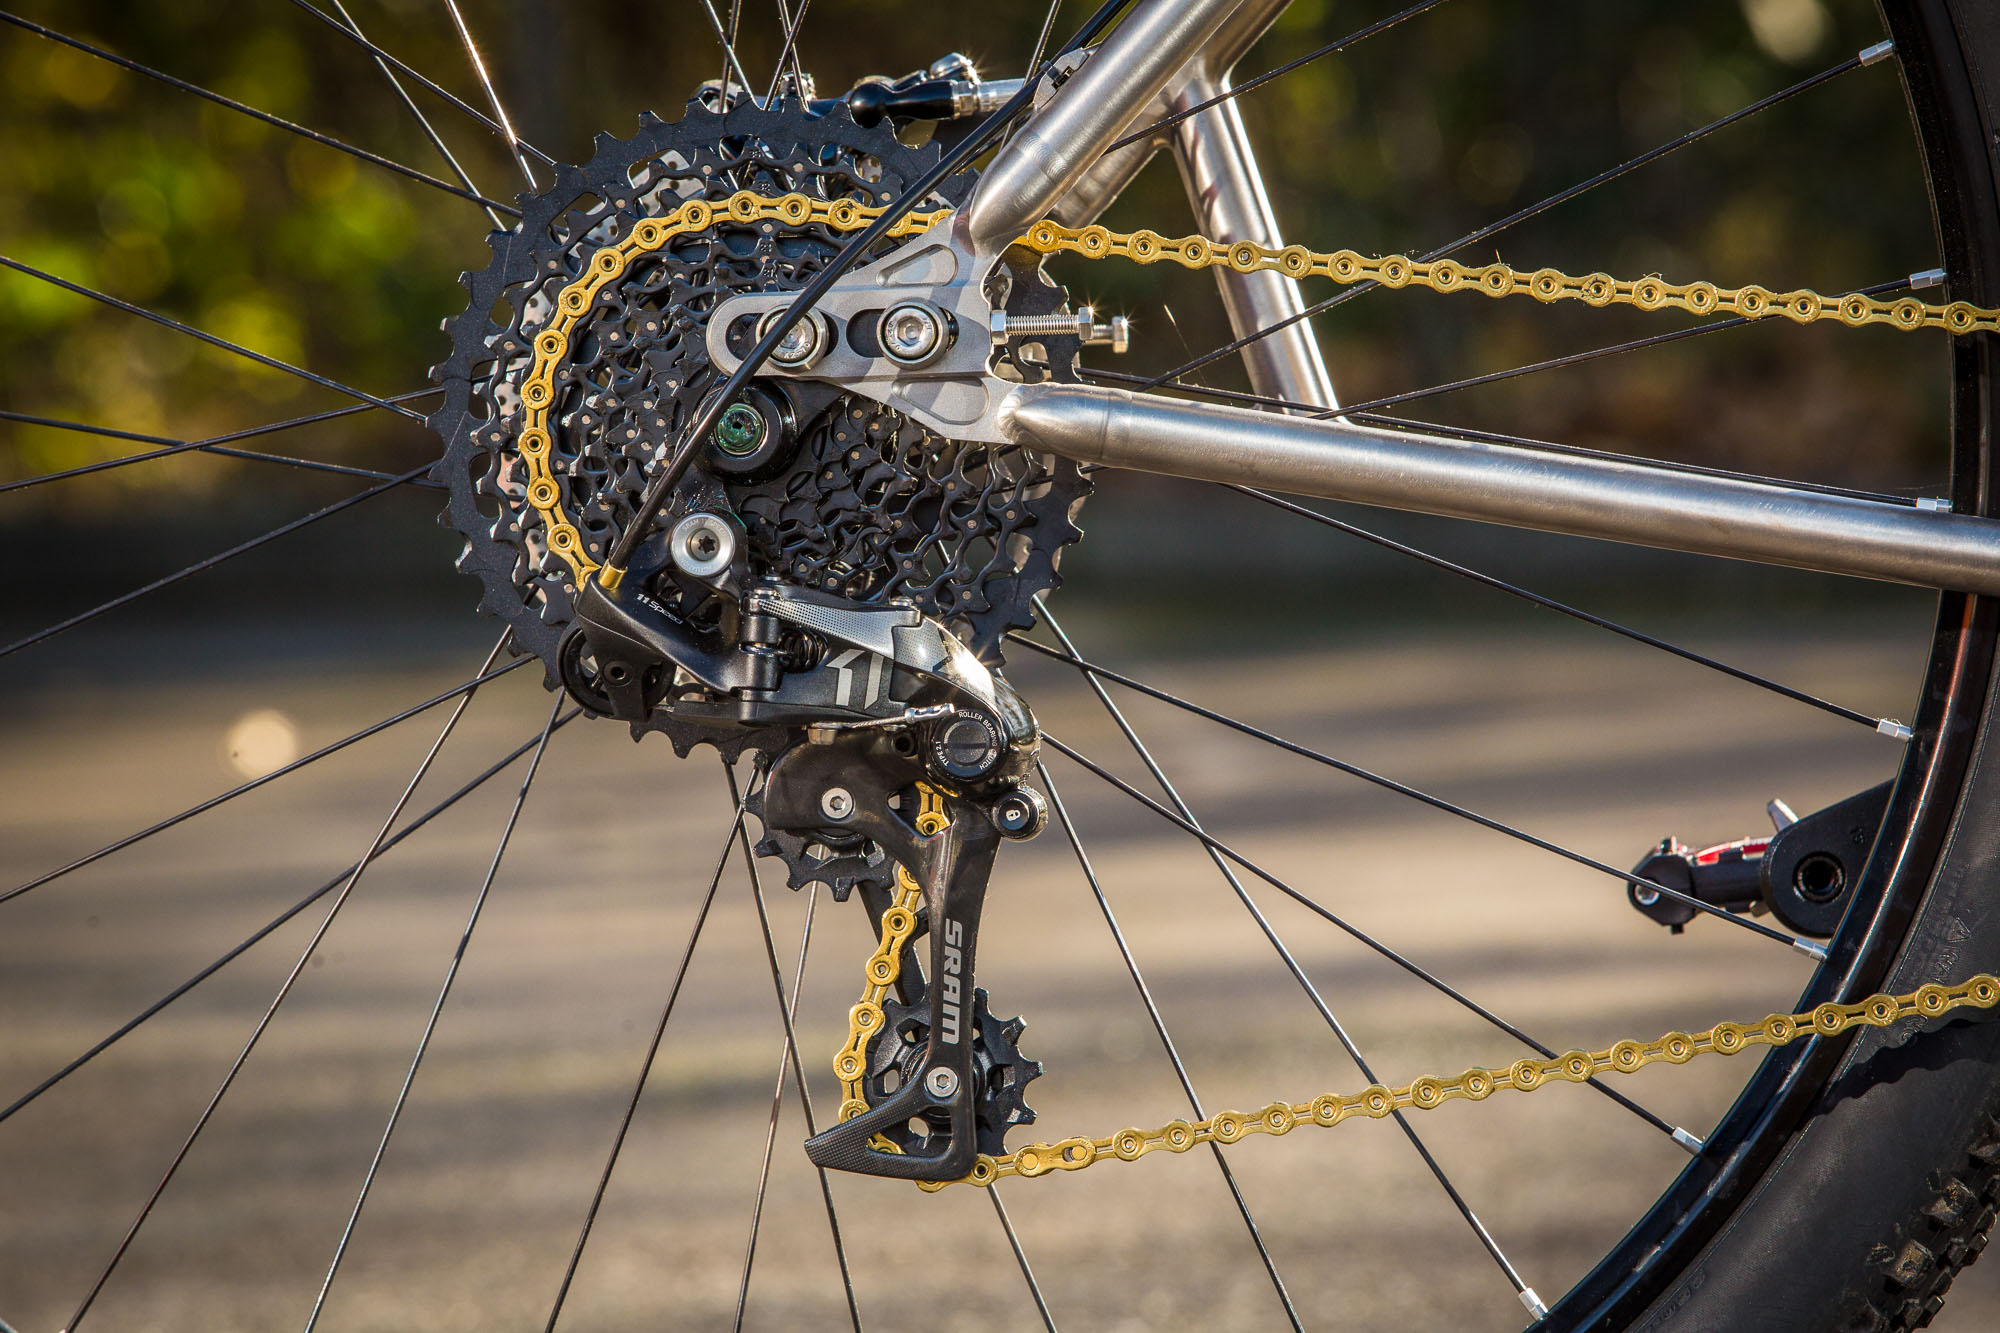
column 885, row 703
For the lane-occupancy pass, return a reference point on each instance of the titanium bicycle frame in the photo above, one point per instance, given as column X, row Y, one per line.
column 1170, row 54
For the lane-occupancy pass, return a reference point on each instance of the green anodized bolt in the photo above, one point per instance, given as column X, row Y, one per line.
column 740, row 431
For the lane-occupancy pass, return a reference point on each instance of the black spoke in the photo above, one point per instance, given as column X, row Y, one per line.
column 787, row 1013
column 177, row 326
column 437, row 1006
column 428, row 85
column 1578, row 358
column 200, row 807
column 1808, row 947
column 1888, row 726
column 1021, row 1258
column 1042, row 38
column 168, row 448
column 251, row 111
column 1563, row 196
column 478, row 63
column 1167, row 1041
column 1189, row 827
column 285, row 989
column 645, row 1069
column 730, row 64
column 83, row 617
column 1421, row 973
column 1359, row 35
column 1185, row 821
column 409, row 103
column 268, row 927
column 791, row 22
column 1185, row 817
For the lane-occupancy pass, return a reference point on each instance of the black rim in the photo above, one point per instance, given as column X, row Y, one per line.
column 1772, row 1106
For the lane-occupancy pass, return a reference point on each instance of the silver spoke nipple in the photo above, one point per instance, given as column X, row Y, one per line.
column 1934, row 504
column 1880, row 51
column 1534, row 1303
column 1893, row 729
column 1691, row 1142
column 1930, row 277
column 1810, row 948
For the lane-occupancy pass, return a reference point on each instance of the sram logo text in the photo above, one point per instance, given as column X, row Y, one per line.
column 954, row 965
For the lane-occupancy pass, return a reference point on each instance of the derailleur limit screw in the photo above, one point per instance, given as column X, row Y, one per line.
column 836, row 804
column 1082, row 325
column 942, row 1082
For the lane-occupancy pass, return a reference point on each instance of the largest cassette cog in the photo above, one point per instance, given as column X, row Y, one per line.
column 869, row 506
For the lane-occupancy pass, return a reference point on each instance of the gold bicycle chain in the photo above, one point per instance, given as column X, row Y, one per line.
column 865, row 1019
column 648, row 236
column 1348, row 268
column 1477, row 1084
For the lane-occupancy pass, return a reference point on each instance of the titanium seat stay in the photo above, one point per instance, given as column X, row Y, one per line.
column 1225, row 189
column 1069, row 133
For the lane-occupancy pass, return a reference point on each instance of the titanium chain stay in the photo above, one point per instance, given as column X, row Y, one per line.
column 899, row 920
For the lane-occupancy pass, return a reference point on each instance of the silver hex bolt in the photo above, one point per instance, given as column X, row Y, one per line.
column 942, row 1082
column 915, row 333
column 836, row 804
column 1116, row 333
column 804, row 345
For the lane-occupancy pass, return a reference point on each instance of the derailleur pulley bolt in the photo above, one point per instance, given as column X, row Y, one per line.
column 942, row 1082
column 1083, row 326
column 915, row 333
column 804, row 345
column 740, row 430
column 836, row 804
column 967, row 746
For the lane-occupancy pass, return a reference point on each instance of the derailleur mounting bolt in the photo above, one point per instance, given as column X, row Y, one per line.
column 804, row 345
column 836, row 804
column 915, row 333
column 1083, row 326
column 942, row 1082
column 702, row 544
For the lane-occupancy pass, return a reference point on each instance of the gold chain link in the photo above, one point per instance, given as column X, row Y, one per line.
column 1476, row 1084
column 1347, row 267
column 865, row 1019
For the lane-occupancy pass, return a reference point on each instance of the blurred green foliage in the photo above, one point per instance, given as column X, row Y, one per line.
column 1424, row 133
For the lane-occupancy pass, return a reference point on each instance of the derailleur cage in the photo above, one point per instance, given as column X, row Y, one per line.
column 852, row 784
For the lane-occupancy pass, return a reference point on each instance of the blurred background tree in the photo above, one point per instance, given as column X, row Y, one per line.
column 1440, row 125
